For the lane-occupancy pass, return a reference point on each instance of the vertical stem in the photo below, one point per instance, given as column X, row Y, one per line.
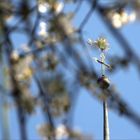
column 46, row 106
column 102, row 56
column 5, row 122
column 22, row 122
column 105, row 109
column 106, row 123
column 3, row 100
column 16, row 92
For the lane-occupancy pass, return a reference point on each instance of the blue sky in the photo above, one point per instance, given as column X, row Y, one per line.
column 126, row 80
column 89, row 113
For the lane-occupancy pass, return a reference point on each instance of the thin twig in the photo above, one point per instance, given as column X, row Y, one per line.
column 46, row 106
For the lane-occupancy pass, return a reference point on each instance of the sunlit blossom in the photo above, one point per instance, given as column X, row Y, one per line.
column 15, row 55
column 120, row 18
column 43, row 7
column 58, row 7
column 100, row 43
column 132, row 16
column 43, row 29
column 61, row 132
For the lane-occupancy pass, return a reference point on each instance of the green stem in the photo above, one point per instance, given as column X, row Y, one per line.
column 102, row 56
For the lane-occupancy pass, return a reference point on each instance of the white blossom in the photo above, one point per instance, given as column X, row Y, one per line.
column 59, row 7
column 61, row 132
column 43, row 29
column 43, row 7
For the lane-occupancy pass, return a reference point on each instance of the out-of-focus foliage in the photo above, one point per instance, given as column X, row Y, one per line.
column 52, row 64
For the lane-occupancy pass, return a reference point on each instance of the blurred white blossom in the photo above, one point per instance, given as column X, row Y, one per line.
column 43, row 7
column 58, row 7
column 132, row 16
column 61, row 132
column 43, row 29
column 15, row 55
column 122, row 17
column 45, row 130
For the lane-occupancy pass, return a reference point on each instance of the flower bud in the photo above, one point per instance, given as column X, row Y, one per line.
column 14, row 57
column 103, row 82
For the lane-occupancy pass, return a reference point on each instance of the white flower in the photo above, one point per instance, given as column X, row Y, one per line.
column 132, row 16
column 15, row 55
column 119, row 19
column 100, row 43
column 116, row 22
column 43, row 24
column 58, row 7
column 124, row 17
column 61, row 132
column 90, row 42
column 43, row 7
column 43, row 29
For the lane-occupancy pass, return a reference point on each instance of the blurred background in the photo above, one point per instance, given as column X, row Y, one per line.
column 48, row 77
